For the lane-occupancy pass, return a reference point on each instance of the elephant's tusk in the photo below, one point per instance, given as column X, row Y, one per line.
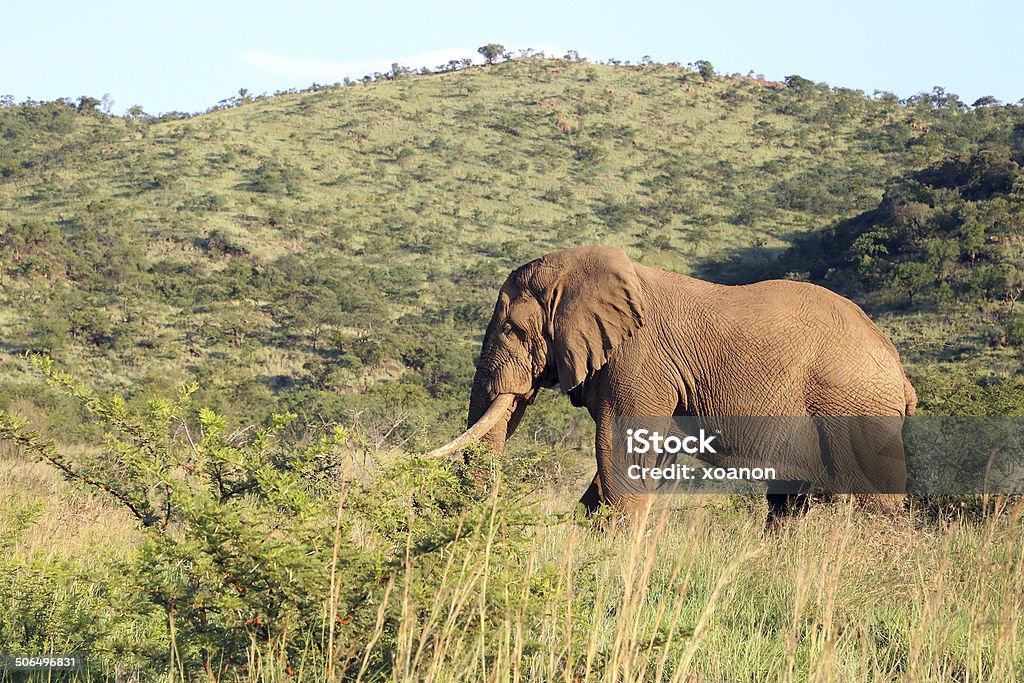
column 498, row 408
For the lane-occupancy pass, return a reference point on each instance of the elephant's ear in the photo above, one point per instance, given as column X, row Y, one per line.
column 595, row 304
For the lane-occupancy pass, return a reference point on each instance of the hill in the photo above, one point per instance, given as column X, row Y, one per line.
column 341, row 247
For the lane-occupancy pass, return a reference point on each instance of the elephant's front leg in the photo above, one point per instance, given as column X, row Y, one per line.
column 610, row 481
column 628, row 388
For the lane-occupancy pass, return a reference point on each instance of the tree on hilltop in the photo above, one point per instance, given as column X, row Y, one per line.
column 87, row 104
column 137, row 113
column 705, row 69
column 986, row 101
column 491, row 51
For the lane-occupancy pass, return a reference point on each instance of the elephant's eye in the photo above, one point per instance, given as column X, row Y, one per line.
column 507, row 328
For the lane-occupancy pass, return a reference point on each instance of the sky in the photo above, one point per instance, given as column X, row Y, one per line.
column 188, row 55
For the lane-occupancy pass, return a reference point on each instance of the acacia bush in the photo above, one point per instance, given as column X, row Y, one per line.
column 272, row 537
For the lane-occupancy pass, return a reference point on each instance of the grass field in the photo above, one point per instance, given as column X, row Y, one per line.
column 698, row 592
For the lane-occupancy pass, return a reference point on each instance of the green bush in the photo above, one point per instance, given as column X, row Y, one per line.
column 264, row 538
column 276, row 178
column 50, row 604
column 1015, row 330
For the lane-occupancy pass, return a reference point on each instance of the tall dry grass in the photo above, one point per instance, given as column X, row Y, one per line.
column 699, row 593
column 703, row 594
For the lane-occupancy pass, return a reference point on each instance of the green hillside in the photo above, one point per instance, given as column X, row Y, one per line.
column 299, row 249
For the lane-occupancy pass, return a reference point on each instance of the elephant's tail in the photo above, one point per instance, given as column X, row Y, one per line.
column 910, row 396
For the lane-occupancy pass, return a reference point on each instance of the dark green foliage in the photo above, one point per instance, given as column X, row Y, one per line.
column 954, row 225
column 277, row 178
column 31, row 249
column 1015, row 330
column 217, row 245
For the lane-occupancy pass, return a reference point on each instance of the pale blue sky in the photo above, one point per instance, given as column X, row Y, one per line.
column 187, row 55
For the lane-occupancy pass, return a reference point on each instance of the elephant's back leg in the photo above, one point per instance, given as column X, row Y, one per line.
column 782, row 505
column 888, row 467
column 864, row 453
column 591, row 498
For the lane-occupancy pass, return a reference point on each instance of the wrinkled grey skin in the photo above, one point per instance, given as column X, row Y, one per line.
column 626, row 339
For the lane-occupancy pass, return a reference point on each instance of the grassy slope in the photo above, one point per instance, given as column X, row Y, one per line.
column 424, row 192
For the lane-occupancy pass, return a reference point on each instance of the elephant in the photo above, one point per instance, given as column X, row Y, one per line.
column 625, row 339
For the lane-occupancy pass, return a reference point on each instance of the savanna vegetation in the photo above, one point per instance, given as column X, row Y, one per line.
column 225, row 338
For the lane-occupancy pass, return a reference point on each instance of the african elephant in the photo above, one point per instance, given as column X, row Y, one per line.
column 624, row 339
